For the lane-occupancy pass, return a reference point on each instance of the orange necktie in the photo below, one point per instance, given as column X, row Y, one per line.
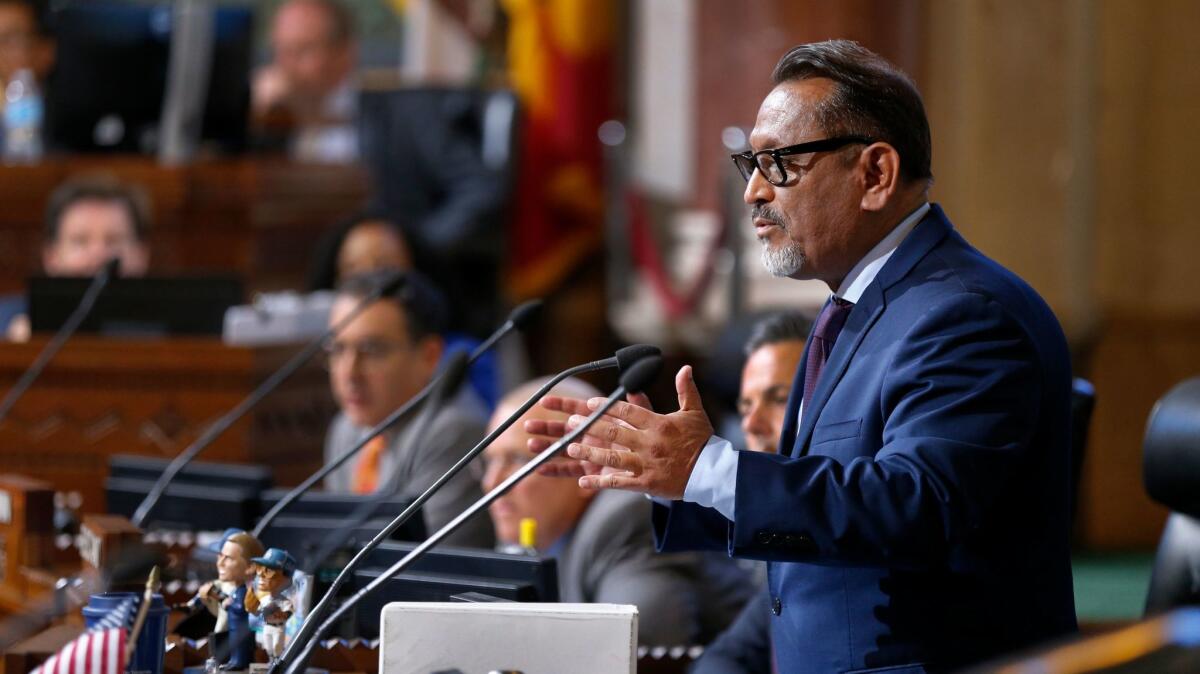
column 366, row 472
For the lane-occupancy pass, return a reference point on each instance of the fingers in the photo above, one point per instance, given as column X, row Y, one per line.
column 685, row 388
column 634, row 415
column 611, row 481
column 566, row 405
column 621, row 460
column 547, row 427
column 604, row 432
column 640, row 399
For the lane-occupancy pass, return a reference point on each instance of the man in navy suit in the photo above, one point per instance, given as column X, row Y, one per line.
column 916, row 516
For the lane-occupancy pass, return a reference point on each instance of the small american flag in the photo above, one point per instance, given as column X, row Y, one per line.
column 100, row 650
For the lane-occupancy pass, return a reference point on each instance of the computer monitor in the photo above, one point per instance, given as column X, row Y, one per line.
column 318, row 519
column 137, row 307
column 453, row 574
column 110, row 76
column 203, row 496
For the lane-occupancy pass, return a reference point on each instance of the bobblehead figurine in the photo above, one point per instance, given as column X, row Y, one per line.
column 232, row 642
column 272, row 599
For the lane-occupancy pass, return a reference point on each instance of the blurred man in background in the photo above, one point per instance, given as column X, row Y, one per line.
column 378, row 362
column 603, row 542
column 772, row 357
column 309, row 82
column 89, row 221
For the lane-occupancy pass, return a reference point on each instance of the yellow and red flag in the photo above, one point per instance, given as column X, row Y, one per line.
column 560, row 64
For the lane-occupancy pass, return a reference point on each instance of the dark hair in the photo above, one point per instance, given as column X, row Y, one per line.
column 423, row 304
column 96, row 188
column 871, row 98
column 341, row 22
column 323, row 274
column 784, row 326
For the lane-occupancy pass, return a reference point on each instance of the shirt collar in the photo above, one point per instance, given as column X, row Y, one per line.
column 867, row 269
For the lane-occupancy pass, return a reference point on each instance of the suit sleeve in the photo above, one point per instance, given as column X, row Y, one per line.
column 625, row 569
column 449, row 438
column 960, row 399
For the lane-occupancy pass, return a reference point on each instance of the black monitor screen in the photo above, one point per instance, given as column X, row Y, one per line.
column 203, row 496
column 447, row 574
column 138, row 307
column 110, row 76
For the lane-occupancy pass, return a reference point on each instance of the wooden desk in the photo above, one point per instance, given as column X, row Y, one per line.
column 260, row 218
column 106, row 396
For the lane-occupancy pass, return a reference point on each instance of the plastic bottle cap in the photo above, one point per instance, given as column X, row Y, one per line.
column 528, row 533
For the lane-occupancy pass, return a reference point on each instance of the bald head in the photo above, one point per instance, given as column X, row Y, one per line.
column 555, row 503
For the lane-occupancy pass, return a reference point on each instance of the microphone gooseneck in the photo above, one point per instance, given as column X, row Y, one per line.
column 388, row 287
column 65, row 332
column 299, row 650
column 517, row 320
column 628, row 356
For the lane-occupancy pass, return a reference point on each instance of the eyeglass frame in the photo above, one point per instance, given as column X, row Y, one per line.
column 779, row 153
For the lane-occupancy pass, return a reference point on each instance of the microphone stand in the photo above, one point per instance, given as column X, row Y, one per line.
column 517, row 320
column 294, row 661
column 448, row 386
column 624, row 359
column 99, row 281
column 229, row 418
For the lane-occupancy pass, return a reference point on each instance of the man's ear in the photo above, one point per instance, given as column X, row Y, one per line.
column 431, row 348
column 879, row 165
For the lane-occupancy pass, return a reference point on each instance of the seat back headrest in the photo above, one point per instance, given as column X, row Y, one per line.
column 1171, row 450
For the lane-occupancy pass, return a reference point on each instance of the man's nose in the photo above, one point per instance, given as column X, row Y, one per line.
column 758, row 190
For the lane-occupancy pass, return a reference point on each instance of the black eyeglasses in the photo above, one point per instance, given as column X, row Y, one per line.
column 770, row 162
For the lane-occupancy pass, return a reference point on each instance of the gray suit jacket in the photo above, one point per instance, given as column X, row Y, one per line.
column 415, row 464
column 682, row 598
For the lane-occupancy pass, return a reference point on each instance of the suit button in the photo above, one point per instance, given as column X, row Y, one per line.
column 764, row 538
column 776, row 606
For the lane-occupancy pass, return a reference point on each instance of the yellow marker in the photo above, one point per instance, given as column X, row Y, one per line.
column 528, row 534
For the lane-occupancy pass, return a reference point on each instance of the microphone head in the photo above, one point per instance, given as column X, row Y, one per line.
column 112, row 268
column 631, row 354
column 453, row 373
column 641, row 373
column 524, row 314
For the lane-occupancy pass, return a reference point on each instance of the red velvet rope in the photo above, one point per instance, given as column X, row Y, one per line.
column 646, row 257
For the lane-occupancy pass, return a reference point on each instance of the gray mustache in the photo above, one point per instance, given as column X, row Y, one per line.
column 764, row 212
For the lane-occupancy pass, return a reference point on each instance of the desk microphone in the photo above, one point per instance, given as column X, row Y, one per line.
column 625, row 359
column 519, row 319
column 99, row 281
column 387, row 287
column 639, row 375
column 445, row 388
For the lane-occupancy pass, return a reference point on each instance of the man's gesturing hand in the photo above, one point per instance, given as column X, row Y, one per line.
column 638, row 449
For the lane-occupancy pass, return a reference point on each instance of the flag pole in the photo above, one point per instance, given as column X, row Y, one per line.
column 147, row 597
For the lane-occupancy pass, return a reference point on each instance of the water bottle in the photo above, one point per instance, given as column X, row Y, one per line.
column 23, row 113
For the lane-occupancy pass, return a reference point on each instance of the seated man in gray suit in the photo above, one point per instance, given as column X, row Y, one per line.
column 377, row 363
column 603, row 541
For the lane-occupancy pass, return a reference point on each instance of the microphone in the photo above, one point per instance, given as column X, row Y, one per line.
column 518, row 319
column 445, row 387
column 388, row 287
column 99, row 281
column 634, row 380
column 625, row 359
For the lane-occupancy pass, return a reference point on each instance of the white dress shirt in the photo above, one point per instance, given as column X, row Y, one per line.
column 714, row 478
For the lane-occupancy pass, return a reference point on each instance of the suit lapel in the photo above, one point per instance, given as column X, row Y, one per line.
column 928, row 233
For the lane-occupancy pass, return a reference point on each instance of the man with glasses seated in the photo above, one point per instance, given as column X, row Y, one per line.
column 387, row 354
column 603, row 541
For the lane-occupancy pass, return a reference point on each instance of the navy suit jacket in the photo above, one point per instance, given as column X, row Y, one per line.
column 920, row 520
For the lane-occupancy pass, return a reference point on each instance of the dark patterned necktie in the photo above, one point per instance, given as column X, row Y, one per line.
column 829, row 324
